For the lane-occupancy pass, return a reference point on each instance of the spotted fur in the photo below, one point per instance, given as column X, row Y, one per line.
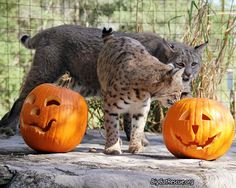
column 130, row 78
column 75, row 49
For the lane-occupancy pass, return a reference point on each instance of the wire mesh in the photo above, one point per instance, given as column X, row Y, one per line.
column 172, row 19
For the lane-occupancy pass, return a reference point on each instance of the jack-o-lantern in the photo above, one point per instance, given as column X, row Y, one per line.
column 198, row 128
column 53, row 118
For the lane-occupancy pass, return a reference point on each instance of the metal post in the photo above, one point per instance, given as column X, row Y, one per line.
column 233, row 103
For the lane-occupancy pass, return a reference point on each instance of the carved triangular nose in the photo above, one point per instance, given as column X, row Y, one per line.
column 195, row 128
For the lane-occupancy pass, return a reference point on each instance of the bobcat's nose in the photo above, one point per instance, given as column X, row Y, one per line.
column 187, row 74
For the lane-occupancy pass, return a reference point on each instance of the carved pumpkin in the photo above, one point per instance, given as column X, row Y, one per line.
column 53, row 119
column 198, row 128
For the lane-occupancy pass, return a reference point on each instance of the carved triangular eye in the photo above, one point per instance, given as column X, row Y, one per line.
column 205, row 117
column 185, row 116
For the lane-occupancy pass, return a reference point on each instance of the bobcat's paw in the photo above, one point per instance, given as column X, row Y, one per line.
column 6, row 132
column 135, row 148
column 110, row 151
column 114, row 149
column 145, row 141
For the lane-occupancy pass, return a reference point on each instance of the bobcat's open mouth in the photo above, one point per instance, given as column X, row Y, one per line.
column 186, row 78
column 170, row 102
column 199, row 146
column 184, row 94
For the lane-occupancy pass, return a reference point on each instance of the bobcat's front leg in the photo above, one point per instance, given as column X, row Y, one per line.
column 139, row 118
column 111, row 120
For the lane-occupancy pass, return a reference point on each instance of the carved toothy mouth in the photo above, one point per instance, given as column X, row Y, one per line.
column 46, row 128
column 199, row 146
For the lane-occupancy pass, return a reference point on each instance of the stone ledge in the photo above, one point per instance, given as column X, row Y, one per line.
column 22, row 167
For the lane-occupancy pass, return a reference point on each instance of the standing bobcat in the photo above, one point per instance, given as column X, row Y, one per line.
column 129, row 78
column 75, row 49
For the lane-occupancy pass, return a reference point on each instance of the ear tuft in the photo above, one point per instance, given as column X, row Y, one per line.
column 106, row 32
column 200, row 48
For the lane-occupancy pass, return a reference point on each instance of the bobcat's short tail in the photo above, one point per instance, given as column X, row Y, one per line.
column 28, row 42
column 107, row 34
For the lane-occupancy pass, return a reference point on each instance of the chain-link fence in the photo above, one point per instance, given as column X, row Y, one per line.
column 191, row 22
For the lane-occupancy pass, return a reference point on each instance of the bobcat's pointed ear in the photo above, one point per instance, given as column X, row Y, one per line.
column 169, row 49
column 107, row 34
column 168, row 45
column 200, row 48
column 174, row 74
column 177, row 75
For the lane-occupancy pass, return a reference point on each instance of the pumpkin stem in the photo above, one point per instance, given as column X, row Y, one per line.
column 65, row 80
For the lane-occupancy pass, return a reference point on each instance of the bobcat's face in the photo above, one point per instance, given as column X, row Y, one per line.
column 188, row 58
column 173, row 87
column 190, row 61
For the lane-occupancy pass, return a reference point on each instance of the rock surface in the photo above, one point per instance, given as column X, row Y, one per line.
column 88, row 167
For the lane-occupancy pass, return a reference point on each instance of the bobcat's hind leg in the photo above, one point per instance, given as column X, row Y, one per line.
column 127, row 128
column 127, row 125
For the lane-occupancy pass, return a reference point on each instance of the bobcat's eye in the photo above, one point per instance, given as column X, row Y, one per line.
column 180, row 64
column 194, row 64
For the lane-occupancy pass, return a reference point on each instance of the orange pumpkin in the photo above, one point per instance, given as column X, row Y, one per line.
column 198, row 128
column 53, row 118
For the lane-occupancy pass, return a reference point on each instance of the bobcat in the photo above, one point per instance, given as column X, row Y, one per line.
column 129, row 78
column 75, row 49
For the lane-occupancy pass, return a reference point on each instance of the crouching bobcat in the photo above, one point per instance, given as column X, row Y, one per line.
column 130, row 78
